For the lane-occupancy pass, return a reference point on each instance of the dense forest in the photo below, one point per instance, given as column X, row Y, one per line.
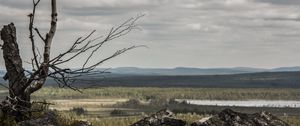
column 249, row 80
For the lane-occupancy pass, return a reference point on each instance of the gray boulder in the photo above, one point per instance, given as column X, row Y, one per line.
column 231, row 118
column 160, row 118
column 81, row 123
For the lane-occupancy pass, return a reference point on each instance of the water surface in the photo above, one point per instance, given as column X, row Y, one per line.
column 246, row 103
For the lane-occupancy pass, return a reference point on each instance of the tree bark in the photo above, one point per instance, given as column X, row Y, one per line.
column 15, row 75
column 20, row 86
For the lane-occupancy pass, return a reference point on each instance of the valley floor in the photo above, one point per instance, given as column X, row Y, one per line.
column 122, row 106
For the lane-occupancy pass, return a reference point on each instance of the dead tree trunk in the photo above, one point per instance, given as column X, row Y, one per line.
column 17, row 98
column 22, row 85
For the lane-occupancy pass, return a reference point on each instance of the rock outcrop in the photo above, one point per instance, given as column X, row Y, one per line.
column 225, row 118
column 230, row 118
column 81, row 123
column 160, row 118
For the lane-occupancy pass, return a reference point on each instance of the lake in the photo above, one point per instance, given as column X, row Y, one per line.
column 245, row 103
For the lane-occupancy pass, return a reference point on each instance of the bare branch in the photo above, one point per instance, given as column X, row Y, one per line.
column 31, row 36
column 38, row 78
column 51, row 32
column 65, row 76
column 85, row 46
column 38, row 32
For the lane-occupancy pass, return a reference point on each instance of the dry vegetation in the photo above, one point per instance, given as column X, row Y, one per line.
column 100, row 102
column 96, row 105
column 68, row 118
column 180, row 93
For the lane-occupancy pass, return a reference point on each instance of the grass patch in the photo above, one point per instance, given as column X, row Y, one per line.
column 180, row 93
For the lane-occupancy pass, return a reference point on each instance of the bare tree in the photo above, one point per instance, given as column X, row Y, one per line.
column 22, row 83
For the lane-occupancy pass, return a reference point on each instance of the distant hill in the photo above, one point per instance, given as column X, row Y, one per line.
column 284, row 77
column 297, row 68
column 189, row 70
column 196, row 71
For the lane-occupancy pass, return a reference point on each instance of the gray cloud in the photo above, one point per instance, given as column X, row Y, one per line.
column 281, row 2
column 196, row 33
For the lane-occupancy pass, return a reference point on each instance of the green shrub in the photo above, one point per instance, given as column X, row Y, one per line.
column 117, row 112
column 131, row 103
column 78, row 110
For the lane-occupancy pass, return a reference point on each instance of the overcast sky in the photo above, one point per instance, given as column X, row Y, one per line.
column 179, row 33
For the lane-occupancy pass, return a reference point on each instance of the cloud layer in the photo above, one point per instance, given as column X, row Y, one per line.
column 194, row 33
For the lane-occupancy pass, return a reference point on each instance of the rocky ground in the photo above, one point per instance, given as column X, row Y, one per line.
column 164, row 117
column 225, row 118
